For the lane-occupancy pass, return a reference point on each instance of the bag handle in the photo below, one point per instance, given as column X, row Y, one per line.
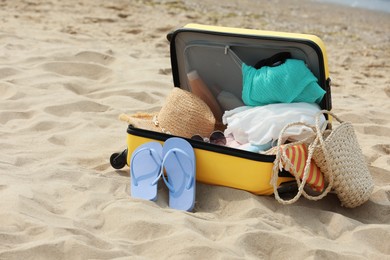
column 318, row 117
column 320, row 136
column 315, row 140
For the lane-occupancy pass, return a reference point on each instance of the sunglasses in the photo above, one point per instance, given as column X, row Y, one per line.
column 216, row 137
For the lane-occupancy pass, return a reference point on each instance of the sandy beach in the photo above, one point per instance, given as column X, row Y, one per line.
column 69, row 68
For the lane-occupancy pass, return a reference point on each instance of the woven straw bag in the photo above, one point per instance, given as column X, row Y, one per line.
column 340, row 156
column 337, row 153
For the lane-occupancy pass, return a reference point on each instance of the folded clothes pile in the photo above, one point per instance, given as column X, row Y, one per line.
column 257, row 128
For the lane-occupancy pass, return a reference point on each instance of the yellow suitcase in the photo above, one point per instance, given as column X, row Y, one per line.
column 205, row 48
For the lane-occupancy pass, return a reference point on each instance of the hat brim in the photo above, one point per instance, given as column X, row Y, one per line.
column 141, row 120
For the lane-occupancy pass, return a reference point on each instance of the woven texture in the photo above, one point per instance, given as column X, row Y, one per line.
column 339, row 155
column 282, row 160
column 183, row 114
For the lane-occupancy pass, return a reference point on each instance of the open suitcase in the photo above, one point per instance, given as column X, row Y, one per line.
column 216, row 49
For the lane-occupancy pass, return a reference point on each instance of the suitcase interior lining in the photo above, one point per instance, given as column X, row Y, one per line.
column 210, row 52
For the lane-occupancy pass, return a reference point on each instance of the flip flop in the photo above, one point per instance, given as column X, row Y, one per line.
column 179, row 164
column 145, row 170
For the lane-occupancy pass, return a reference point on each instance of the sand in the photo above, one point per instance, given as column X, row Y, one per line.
column 69, row 68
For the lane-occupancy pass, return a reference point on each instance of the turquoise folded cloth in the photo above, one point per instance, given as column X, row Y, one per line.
column 289, row 82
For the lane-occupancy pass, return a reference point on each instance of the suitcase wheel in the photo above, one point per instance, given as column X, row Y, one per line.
column 119, row 160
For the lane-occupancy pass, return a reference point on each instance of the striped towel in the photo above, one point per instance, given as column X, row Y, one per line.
column 298, row 156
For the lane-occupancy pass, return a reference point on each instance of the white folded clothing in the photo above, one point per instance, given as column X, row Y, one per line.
column 263, row 124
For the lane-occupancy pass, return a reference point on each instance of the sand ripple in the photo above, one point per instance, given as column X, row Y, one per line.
column 64, row 79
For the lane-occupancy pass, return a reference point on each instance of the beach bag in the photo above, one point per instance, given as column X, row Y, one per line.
column 338, row 155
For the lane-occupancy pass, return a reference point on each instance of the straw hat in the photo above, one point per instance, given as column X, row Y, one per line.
column 183, row 114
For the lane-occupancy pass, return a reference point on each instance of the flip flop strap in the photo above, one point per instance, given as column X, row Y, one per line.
column 191, row 176
column 156, row 158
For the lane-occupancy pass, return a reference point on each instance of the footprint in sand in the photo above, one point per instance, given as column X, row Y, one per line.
column 387, row 91
column 80, row 106
column 8, row 72
column 130, row 95
column 43, row 126
column 155, row 229
column 78, row 69
column 94, row 57
column 377, row 130
column 354, row 118
column 57, row 140
column 77, row 88
column 165, row 29
column 375, row 233
column 107, row 93
column 41, row 203
column 133, row 31
column 6, row 116
column 9, row 91
column 147, row 98
column 382, row 148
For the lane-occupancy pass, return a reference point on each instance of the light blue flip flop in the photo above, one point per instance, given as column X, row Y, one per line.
column 179, row 164
column 145, row 170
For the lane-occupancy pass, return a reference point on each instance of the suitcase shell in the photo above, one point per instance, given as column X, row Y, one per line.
column 205, row 49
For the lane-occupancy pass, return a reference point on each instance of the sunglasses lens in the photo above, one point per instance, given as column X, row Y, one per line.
column 218, row 138
column 197, row 138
